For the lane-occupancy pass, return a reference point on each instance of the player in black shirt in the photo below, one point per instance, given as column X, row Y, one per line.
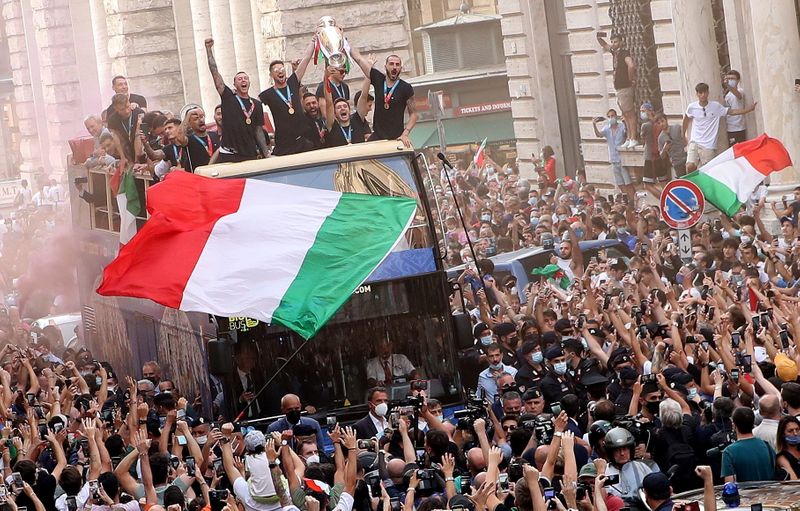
column 294, row 131
column 370, row 104
column 120, row 85
column 339, row 89
column 243, row 137
column 177, row 151
column 345, row 128
column 124, row 124
column 203, row 144
column 312, row 109
column 393, row 97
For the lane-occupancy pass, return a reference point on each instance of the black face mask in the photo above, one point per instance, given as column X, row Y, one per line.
column 293, row 416
column 652, row 407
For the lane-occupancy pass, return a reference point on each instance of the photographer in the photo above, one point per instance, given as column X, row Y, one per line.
column 619, row 446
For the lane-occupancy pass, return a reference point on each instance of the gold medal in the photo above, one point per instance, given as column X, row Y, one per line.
column 248, row 121
column 386, row 106
column 291, row 110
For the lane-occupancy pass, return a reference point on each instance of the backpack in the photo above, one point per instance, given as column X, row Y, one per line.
column 680, row 454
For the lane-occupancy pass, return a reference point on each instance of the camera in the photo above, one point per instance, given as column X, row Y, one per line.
column 373, row 480
column 543, row 429
column 218, row 495
column 410, row 402
column 611, row 480
column 641, row 430
column 514, row 471
column 473, row 410
column 419, row 384
column 583, row 490
column 648, row 378
column 721, row 440
column 367, row 445
column 428, row 483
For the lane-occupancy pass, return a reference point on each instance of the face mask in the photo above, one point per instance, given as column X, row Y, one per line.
column 792, row 439
column 486, row 340
column 584, row 344
column 112, row 388
column 692, row 393
column 562, row 217
column 746, row 239
column 508, row 171
column 381, row 409
column 732, row 83
column 560, row 368
column 496, row 367
column 202, row 440
column 513, row 342
column 652, row 407
column 612, row 121
column 532, row 201
column 537, row 357
column 293, row 416
column 674, row 239
column 534, row 221
column 579, row 232
column 622, row 230
column 440, row 417
column 643, row 116
column 486, row 218
column 314, row 458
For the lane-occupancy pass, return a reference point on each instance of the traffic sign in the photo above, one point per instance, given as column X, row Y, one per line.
column 682, row 204
column 685, row 245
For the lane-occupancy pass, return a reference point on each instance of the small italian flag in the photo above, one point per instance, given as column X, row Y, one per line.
column 268, row 251
column 123, row 186
column 728, row 180
column 480, row 156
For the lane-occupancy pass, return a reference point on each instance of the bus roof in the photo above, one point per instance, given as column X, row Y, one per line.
column 367, row 150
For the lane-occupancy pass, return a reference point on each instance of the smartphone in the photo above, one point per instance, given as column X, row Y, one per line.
column 765, row 318
column 581, row 321
column 555, row 408
column 625, row 199
column 611, row 480
column 705, row 345
column 690, row 339
column 736, row 339
column 503, row 479
column 190, row 465
column 175, row 462
column 747, row 363
column 785, row 338
column 394, row 504
column 218, row 469
column 145, row 129
column 181, row 414
column 181, row 440
column 115, row 461
column 16, row 478
column 756, row 323
column 549, row 493
column 330, row 420
column 72, row 503
column 93, row 487
column 3, row 494
column 710, row 314
column 735, row 374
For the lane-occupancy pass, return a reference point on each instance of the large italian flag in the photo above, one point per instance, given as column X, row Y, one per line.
column 123, row 186
column 243, row 247
column 728, row 180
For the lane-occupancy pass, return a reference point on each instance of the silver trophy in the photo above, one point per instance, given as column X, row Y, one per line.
column 331, row 42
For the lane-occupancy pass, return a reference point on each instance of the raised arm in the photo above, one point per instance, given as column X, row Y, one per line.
column 219, row 83
column 363, row 63
column 363, row 101
column 302, row 66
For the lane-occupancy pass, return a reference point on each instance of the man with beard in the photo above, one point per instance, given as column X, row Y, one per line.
column 218, row 120
column 569, row 257
column 294, row 132
column 292, row 409
column 394, row 97
column 311, row 108
column 242, row 116
column 345, row 128
column 202, row 143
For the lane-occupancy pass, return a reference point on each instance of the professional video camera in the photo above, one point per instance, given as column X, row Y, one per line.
column 720, row 440
column 515, row 470
column 414, row 402
column 373, row 480
column 428, row 482
column 474, row 409
column 640, row 429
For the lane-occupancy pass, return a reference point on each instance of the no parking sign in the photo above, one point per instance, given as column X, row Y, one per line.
column 682, row 204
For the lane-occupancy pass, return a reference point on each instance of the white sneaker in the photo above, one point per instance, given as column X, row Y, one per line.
column 632, row 144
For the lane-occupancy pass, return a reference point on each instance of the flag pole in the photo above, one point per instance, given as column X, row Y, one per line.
column 272, row 378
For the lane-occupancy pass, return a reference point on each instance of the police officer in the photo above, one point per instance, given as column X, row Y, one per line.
column 557, row 382
column 531, row 368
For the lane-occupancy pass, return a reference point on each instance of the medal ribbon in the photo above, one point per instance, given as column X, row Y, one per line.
column 348, row 135
column 286, row 100
column 387, row 93
column 339, row 91
column 178, row 156
column 207, row 143
column 247, row 113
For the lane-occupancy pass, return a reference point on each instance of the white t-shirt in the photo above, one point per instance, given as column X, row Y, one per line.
column 242, row 492
column 81, row 498
column 705, row 123
column 401, row 367
column 735, row 122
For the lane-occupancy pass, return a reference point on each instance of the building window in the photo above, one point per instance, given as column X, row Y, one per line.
column 467, row 48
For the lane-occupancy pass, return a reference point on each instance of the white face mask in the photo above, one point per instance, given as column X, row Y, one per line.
column 381, row 409
column 314, row 458
column 202, row 440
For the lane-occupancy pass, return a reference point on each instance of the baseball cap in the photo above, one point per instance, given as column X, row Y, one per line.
column 588, row 470
column 460, row 502
column 785, row 368
column 254, row 440
column 656, row 485
column 788, row 219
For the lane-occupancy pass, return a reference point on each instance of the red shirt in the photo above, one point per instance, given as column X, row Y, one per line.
column 550, row 169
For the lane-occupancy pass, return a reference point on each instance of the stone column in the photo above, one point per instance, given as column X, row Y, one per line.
column 696, row 49
column 244, row 42
column 100, row 40
column 185, row 33
column 29, row 146
column 776, row 53
column 262, row 57
column 224, row 51
column 202, row 30
column 143, row 47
